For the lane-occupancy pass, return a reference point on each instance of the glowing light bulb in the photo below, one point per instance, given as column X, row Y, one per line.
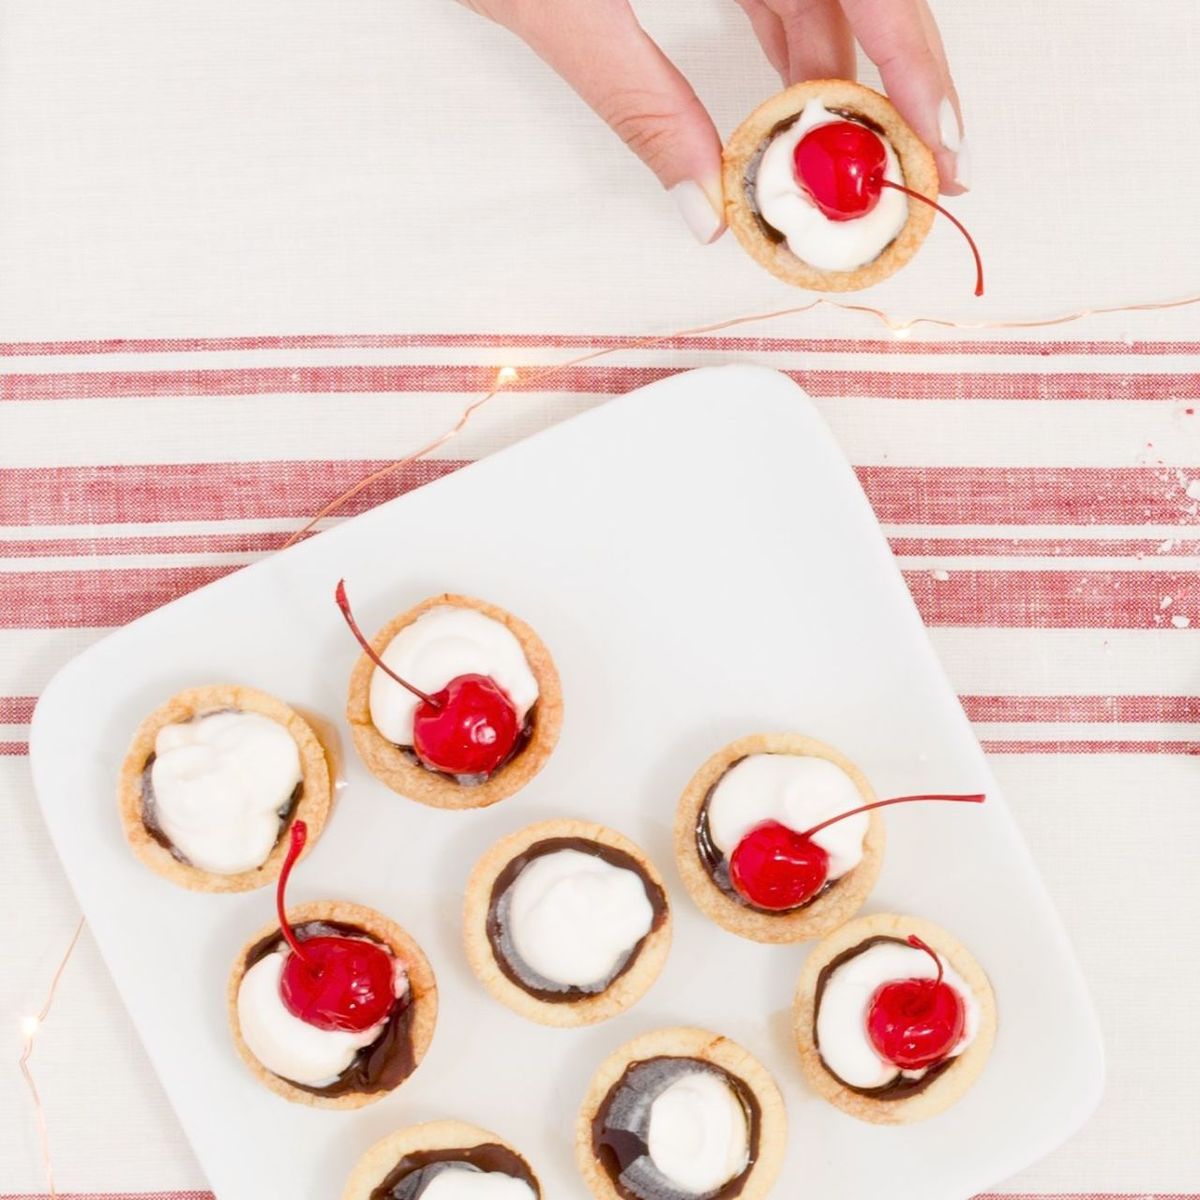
column 902, row 331
column 506, row 375
column 30, row 1026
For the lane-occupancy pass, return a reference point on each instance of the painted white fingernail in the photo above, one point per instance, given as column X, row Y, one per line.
column 949, row 129
column 697, row 212
column 962, row 166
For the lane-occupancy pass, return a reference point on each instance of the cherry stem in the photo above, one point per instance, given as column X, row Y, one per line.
column 977, row 798
column 899, row 187
column 916, row 943
column 299, row 838
column 343, row 603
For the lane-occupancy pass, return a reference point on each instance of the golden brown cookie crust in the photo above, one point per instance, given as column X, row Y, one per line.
column 316, row 800
column 828, row 911
column 681, row 1042
column 375, row 1166
column 391, row 766
column 916, row 163
column 621, row 994
column 947, row 1087
column 421, row 982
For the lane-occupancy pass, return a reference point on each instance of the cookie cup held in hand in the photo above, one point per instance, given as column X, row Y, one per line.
column 740, row 158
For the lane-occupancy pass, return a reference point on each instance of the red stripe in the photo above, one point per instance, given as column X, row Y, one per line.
column 607, row 380
column 1040, row 547
column 585, row 341
column 16, row 710
column 1157, row 709
column 1090, row 747
column 1028, row 495
column 147, row 493
column 118, row 1196
column 199, row 491
column 1055, row 599
column 14, row 749
column 1008, row 599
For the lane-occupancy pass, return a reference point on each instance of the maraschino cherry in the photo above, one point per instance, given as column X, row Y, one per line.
column 469, row 727
column 915, row 1023
column 776, row 868
column 840, row 166
column 332, row 983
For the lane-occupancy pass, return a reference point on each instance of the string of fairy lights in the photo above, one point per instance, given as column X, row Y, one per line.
column 31, row 1026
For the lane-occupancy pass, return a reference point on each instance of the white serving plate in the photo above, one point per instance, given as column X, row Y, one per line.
column 700, row 560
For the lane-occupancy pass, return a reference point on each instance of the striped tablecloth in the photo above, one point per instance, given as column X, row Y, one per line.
column 251, row 251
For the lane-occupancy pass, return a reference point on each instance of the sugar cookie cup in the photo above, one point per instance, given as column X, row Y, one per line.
column 837, row 903
column 397, row 765
column 767, row 246
column 916, row 1099
column 312, row 801
column 489, row 920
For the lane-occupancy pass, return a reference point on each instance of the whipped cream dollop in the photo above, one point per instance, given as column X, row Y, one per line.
column 796, row 790
column 288, row 1046
column 574, row 918
column 465, row 1183
column 842, row 1018
column 438, row 646
column 810, row 235
column 698, row 1135
column 221, row 784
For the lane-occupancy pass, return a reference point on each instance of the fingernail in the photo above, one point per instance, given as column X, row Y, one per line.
column 697, row 211
column 949, row 129
column 962, row 166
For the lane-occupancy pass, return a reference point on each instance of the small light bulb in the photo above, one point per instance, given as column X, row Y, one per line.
column 506, row 375
column 30, row 1026
column 902, row 331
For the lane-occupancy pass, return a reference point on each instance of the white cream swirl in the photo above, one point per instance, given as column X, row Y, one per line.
column 842, row 1037
column 574, row 918
column 220, row 783
column 811, row 236
column 796, row 790
column 441, row 644
column 284, row 1044
column 698, row 1136
column 463, row 1183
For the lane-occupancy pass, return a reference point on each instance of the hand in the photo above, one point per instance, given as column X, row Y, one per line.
column 599, row 48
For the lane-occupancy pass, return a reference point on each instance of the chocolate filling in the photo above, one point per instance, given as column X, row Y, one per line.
column 413, row 1174
column 389, row 1060
column 621, row 1124
column 902, row 1086
column 523, row 739
column 150, row 811
column 717, row 865
column 503, row 948
column 751, row 176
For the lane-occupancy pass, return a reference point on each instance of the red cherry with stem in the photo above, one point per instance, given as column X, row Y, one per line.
column 840, row 166
column 332, row 983
column 915, row 1023
column 469, row 727
column 776, row 868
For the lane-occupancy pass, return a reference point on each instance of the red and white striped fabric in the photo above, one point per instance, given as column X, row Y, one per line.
column 263, row 172
column 1054, row 567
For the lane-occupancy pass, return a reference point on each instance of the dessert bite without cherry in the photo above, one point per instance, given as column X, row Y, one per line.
column 828, row 188
column 681, row 1113
column 454, row 703
column 566, row 922
column 894, row 1019
column 442, row 1160
column 333, row 1006
column 211, row 783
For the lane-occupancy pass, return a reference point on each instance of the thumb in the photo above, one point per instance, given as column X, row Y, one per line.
column 599, row 48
